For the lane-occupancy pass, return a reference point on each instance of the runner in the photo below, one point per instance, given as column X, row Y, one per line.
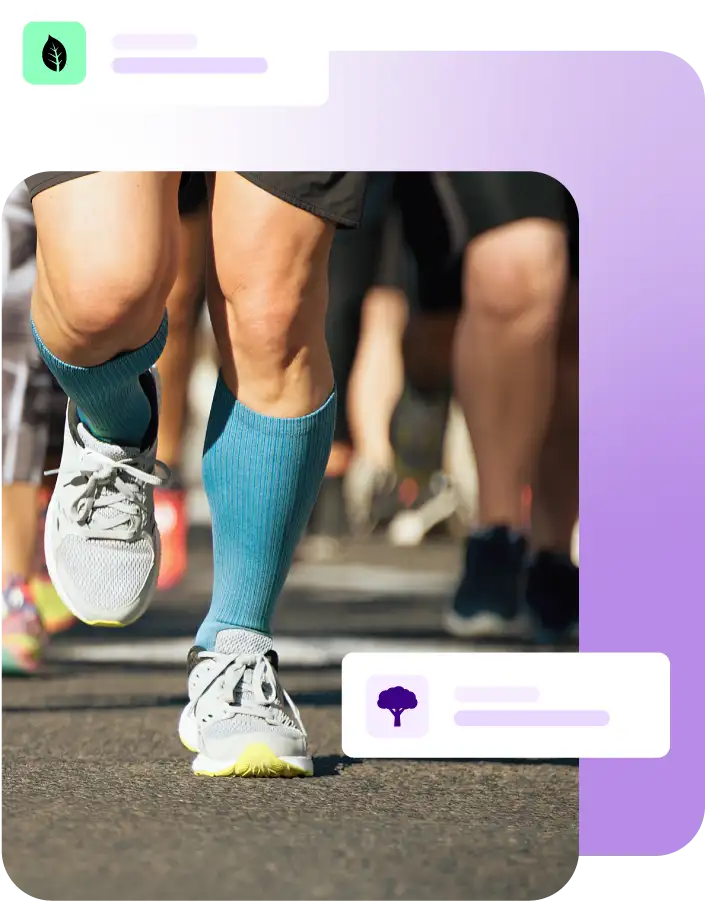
column 507, row 244
column 363, row 264
column 98, row 314
column 388, row 455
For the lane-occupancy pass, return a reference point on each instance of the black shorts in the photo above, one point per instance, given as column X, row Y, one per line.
column 442, row 212
column 193, row 193
column 376, row 254
column 336, row 197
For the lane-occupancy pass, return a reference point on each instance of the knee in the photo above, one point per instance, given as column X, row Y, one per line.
column 112, row 300
column 270, row 328
column 516, row 276
column 277, row 299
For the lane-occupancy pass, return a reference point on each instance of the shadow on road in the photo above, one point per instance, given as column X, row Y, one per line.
column 332, row 764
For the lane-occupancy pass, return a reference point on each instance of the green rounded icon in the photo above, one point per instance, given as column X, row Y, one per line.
column 54, row 53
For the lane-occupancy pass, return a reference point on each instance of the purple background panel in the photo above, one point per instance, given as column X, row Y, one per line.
column 414, row 723
column 626, row 133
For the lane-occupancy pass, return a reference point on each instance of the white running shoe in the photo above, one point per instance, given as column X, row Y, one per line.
column 238, row 720
column 410, row 527
column 101, row 539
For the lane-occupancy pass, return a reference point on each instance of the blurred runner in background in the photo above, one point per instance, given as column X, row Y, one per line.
column 386, row 465
column 504, row 246
column 184, row 307
column 33, row 395
column 25, row 399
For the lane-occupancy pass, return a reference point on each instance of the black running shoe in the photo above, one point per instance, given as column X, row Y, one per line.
column 488, row 601
column 552, row 596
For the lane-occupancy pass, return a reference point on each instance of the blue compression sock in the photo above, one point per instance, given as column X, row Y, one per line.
column 262, row 476
column 110, row 400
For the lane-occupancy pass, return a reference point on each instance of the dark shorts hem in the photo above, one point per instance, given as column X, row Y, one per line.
column 44, row 180
column 335, row 197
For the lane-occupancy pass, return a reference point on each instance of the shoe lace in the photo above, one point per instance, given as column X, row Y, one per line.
column 265, row 693
column 115, row 485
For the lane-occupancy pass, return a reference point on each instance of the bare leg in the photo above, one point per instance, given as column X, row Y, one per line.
column 271, row 262
column 555, row 490
column 176, row 362
column 504, row 357
column 175, row 367
column 505, row 371
column 377, row 379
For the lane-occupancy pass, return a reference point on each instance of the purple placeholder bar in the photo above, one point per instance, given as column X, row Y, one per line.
column 190, row 65
column 496, row 693
column 532, row 718
column 155, row 41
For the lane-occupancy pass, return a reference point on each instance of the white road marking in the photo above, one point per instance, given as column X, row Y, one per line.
column 369, row 581
column 292, row 651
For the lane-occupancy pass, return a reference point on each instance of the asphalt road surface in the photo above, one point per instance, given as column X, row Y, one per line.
column 99, row 801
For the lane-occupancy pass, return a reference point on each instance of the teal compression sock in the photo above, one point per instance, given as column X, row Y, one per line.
column 262, row 475
column 110, row 399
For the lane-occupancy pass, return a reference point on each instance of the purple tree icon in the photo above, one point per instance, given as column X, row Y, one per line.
column 396, row 700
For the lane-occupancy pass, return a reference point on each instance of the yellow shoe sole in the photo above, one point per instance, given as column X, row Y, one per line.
column 257, row 761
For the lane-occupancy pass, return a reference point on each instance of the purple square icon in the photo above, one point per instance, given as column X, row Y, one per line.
column 397, row 706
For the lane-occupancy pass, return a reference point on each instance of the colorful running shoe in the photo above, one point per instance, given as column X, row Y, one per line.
column 23, row 636
column 170, row 511
column 56, row 617
column 238, row 720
